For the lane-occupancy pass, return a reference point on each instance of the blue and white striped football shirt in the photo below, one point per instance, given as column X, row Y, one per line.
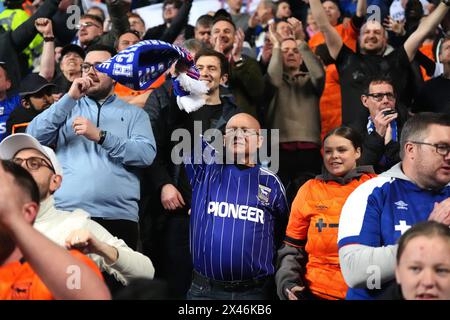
column 233, row 217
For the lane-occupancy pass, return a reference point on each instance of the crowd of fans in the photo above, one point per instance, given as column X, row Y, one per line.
column 355, row 93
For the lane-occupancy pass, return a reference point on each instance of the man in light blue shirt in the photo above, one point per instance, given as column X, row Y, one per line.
column 101, row 142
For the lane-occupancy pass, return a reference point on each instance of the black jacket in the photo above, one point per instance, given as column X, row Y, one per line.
column 374, row 149
column 12, row 43
column 392, row 292
column 119, row 24
column 165, row 117
column 19, row 119
column 180, row 22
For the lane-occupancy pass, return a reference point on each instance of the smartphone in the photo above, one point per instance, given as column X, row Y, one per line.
column 388, row 112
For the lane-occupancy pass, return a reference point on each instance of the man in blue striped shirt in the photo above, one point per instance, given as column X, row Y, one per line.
column 236, row 214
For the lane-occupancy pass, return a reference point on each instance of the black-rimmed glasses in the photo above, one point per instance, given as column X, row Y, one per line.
column 33, row 163
column 245, row 132
column 442, row 149
column 86, row 66
column 379, row 96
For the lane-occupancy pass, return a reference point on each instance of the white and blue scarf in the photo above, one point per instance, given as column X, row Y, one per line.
column 138, row 66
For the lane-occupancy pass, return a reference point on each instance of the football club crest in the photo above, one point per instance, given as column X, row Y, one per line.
column 264, row 194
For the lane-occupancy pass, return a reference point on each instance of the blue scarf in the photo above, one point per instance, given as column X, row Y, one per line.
column 384, row 161
column 138, row 66
column 393, row 124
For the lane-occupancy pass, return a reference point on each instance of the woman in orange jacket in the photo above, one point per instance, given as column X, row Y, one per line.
column 308, row 262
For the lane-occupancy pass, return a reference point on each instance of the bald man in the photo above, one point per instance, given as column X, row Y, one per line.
column 238, row 216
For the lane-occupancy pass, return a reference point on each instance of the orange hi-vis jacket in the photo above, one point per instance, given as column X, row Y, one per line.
column 18, row 281
column 426, row 49
column 123, row 91
column 330, row 102
column 314, row 218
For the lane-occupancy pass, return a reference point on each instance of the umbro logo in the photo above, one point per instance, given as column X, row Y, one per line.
column 401, row 205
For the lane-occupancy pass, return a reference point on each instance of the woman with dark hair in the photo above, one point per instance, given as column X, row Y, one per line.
column 423, row 264
column 308, row 263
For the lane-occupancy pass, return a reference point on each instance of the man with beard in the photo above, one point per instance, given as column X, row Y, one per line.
column 380, row 210
column 101, row 142
column 36, row 96
column 374, row 58
column 32, row 267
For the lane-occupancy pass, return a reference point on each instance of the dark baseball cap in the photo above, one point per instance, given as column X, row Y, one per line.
column 73, row 48
column 33, row 83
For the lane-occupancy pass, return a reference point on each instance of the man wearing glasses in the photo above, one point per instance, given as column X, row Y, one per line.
column 238, row 218
column 381, row 134
column 91, row 26
column 72, row 229
column 169, row 179
column 379, row 211
column 373, row 57
column 102, row 142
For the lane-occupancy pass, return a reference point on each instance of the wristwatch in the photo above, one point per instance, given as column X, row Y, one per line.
column 239, row 62
column 102, row 137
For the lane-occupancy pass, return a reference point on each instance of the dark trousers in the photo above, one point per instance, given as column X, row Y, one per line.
column 177, row 261
column 165, row 240
column 126, row 230
column 204, row 288
column 297, row 167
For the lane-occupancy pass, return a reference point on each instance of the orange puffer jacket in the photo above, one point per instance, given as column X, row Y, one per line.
column 315, row 217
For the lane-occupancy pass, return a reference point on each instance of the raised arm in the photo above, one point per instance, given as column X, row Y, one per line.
column 178, row 23
column 24, row 34
column 119, row 19
column 332, row 37
column 47, row 66
column 315, row 67
column 427, row 25
column 275, row 68
column 361, row 8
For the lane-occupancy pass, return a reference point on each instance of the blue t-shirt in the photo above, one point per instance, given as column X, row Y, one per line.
column 6, row 107
column 233, row 217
